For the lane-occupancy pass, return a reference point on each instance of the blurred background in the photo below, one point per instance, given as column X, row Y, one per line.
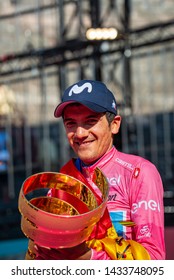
column 44, row 48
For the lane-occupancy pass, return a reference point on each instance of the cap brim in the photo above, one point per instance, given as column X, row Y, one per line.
column 92, row 106
column 59, row 109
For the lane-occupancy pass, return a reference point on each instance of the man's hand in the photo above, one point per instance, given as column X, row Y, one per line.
column 79, row 252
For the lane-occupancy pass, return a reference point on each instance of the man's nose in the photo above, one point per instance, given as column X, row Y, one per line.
column 81, row 132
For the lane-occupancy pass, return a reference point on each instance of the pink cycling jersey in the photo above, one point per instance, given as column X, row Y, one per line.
column 135, row 194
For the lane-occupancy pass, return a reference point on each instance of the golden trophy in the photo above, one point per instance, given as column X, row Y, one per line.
column 59, row 211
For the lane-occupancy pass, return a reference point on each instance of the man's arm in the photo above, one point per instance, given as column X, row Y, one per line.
column 147, row 210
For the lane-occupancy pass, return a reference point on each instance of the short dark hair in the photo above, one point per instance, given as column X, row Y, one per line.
column 110, row 117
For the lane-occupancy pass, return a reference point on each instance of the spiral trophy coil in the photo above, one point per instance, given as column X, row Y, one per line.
column 59, row 211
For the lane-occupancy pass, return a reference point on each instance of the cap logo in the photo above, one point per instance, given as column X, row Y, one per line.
column 78, row 89
column 113, row 105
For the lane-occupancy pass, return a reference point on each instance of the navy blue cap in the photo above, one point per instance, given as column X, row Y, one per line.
column 92, row 94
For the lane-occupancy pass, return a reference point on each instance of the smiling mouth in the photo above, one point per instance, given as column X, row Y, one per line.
column 83, row 144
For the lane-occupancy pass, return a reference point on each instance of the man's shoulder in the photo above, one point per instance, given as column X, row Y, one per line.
column 130, row 161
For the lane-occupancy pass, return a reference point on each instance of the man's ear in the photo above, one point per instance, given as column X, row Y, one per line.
column 115, row 125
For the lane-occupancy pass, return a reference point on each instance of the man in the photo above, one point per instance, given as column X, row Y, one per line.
column 135, row 201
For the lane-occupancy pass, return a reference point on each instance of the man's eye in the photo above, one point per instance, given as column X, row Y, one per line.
column 92, row 121
column 69, row 124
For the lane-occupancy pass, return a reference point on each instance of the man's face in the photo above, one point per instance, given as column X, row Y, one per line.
column 88, row 132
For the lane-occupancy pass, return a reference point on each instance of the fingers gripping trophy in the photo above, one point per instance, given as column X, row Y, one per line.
column 59, row 211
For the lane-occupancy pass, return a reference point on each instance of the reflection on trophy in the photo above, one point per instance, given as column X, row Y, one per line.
column 59, row 211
